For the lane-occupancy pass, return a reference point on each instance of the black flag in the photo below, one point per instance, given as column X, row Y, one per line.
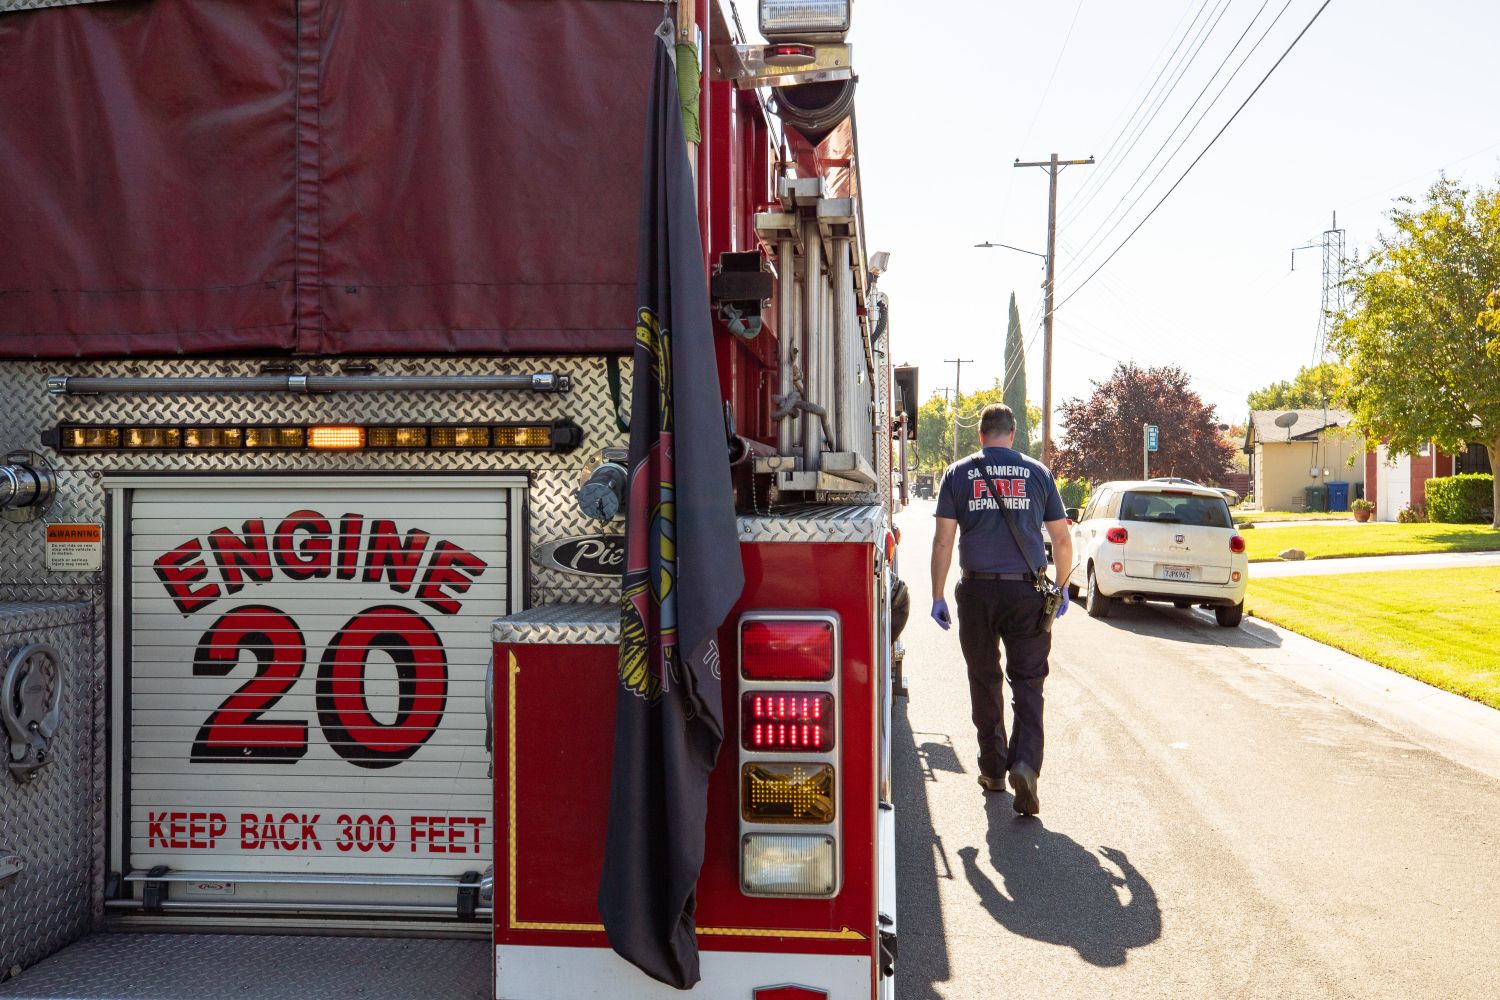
column 682, row 575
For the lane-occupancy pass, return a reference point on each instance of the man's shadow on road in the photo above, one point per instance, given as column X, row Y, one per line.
column 1056, row 891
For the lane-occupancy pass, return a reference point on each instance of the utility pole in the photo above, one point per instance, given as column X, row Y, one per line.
column 1053, row 166
column 958, row 370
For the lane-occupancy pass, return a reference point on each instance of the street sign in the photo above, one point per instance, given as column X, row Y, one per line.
column 1151, row 437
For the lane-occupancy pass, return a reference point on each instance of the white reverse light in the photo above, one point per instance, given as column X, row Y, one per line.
column 788, row 864
column 804, row 18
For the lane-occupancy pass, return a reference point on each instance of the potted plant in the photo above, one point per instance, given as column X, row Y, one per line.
column 1363, row 510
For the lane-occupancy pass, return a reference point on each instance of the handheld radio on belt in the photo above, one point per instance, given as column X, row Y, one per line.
column 1050, row 591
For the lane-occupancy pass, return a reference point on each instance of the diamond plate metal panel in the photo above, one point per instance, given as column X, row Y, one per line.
column 53, row 821
column 553, row 514
column 251, row 967
column 595, row 624
column 851, row 523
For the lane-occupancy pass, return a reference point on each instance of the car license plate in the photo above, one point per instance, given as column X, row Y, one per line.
column 1184, row 573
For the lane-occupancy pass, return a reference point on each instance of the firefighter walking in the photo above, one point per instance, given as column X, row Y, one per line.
column 997, row 502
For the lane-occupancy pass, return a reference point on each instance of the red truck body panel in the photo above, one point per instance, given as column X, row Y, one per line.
column 554, row 714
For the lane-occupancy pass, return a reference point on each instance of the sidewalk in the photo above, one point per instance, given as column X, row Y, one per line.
column 1449, row 724
column 1373, row 564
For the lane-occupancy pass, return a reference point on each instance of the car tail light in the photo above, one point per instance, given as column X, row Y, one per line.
column 780, row 864
column 1117, row 535
column 1117, row 567
column 786, row 650
column 1236, row 543
column 789, row 747
column 1235, row 576
column 786, row 721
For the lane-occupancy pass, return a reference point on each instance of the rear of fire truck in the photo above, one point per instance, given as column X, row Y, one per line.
column 315, row 321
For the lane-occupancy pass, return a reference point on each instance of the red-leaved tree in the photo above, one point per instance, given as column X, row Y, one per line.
column 1102, row 434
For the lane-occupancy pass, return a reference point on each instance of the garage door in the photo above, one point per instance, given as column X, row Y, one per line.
column 305, row 689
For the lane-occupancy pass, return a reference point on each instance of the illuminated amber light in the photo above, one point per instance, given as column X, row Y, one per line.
column 91, row 437
column 397, row 437
column 274, row 437
column 788, row 793
column 213, row 437
column 523, row 437
column 153, row 437
column 336, row 438
column 460, row 437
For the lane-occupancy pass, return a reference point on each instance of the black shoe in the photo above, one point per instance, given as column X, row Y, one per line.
column 1023, row 780
column 991, row 784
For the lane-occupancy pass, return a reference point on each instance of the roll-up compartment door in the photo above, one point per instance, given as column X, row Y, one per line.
column 303, row 690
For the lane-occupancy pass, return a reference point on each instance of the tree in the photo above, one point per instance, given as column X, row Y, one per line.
column 934, row 435
column 1015, row 378
column 1102, row 434
column 1422, row 339
column 1320, row 385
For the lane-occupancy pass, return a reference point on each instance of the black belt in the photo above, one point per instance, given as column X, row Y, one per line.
column 969, row 574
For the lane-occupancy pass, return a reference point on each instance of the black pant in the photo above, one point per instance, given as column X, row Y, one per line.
column 1010, row 611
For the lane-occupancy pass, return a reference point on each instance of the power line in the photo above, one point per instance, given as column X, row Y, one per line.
column 1140, row 104
column 1204, row 33
column 1129, row 236
column 1055, row 64
column 1100, row 234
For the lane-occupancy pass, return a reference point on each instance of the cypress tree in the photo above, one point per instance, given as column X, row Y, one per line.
column 1015, row 377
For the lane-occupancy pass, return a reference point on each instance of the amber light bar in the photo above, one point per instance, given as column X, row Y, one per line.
column 557, row 436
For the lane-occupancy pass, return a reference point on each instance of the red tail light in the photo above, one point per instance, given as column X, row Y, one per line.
column 1236, row 543
column 782, row 721
column 789, row 993
column 787, row 651
column 1117, row 535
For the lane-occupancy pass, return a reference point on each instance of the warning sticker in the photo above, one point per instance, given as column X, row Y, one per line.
column 75, row 548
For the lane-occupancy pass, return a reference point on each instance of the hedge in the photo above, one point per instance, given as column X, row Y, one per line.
column 1465, row 499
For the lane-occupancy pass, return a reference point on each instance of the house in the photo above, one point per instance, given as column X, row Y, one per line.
column 1309, row 448
column 1397, row 481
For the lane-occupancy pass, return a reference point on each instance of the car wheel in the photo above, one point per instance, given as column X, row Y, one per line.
column 1098, row 604
column 1230, row 617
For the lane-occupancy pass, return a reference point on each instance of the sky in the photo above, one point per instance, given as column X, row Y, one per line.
column 1376, row 100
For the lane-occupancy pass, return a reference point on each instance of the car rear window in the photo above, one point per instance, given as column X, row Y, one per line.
column 1176, row 508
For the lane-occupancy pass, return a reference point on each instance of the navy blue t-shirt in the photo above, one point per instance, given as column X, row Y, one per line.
column 972, row 491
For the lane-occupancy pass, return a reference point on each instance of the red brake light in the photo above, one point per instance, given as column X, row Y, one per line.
column 772, row 721
column 787, row 651
column 1236, row 543
column 789, row 993
column 1117, row 535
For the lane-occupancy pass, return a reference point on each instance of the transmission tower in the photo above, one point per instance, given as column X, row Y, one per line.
column 1332, row 246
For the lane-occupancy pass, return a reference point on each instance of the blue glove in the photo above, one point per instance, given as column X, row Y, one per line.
column 940, row 614
column 1062, row 608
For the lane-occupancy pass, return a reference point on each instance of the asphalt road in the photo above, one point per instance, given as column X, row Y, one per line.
column 1208, row 829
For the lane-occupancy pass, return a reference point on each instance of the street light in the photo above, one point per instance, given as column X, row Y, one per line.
column 1006, row 246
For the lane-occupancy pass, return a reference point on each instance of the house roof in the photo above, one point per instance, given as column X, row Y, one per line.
column 1309, row 423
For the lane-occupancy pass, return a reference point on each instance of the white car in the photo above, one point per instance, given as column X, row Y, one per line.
column 1152, row 541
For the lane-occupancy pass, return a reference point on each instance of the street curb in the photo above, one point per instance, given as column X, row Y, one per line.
column 1449, row 724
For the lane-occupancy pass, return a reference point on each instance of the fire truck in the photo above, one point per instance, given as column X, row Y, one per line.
column 315, row 321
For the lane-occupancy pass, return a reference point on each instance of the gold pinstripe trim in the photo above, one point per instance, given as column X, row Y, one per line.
column 513, row 669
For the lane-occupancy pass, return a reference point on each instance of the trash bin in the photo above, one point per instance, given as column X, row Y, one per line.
column 1338, row 496
column 1317, row 498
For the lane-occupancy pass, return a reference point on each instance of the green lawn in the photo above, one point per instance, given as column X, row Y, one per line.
column 1261, row 516
column 1342, row 541
column 1439, row 626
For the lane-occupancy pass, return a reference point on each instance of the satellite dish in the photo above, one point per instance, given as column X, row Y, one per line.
column 1286, row 420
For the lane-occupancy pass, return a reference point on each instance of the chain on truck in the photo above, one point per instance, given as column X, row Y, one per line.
column 315, row 332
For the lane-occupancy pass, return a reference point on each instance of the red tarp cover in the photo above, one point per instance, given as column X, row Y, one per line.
column 324, row 176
